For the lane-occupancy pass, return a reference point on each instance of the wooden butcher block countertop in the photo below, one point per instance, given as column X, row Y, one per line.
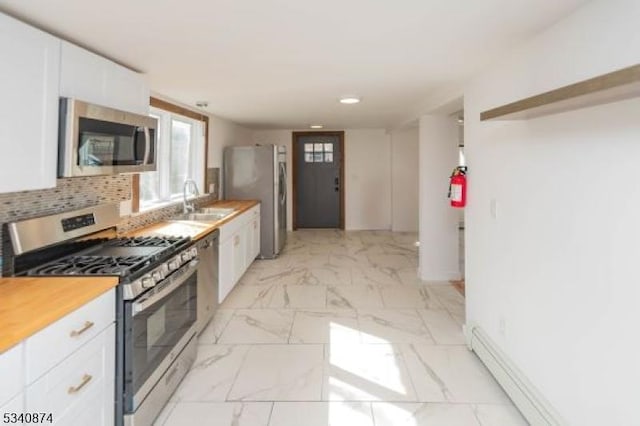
column 196, row 229
column 29, row 304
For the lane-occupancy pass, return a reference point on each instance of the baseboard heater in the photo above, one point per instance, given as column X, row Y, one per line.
column 533, row 406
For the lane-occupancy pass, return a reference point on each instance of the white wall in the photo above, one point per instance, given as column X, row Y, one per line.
column 558, row 264
column 368, row 179
column 404, row 179
column 367, row 175
column 438, row 254
column 224, row 133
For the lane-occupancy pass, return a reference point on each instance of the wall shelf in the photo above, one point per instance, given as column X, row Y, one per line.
column 611, row 87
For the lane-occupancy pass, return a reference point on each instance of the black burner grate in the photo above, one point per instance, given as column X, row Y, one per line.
column 91, row 265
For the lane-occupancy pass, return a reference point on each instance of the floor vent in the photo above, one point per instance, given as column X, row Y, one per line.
column 533, row 406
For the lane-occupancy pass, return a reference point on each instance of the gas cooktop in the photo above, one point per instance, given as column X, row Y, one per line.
column 117, row 257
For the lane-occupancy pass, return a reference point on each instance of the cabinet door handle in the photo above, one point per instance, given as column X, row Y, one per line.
column 85, row 379
column 87, row 325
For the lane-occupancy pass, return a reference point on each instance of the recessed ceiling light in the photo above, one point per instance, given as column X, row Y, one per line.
column 349, row 100
column 202, row 104
column 316, row 126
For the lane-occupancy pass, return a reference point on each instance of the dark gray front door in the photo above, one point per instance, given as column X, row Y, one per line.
column 318, row 186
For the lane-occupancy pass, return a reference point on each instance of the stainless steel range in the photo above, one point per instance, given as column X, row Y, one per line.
column 156, row 299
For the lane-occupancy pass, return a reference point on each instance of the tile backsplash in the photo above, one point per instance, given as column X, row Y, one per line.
column 77, row 193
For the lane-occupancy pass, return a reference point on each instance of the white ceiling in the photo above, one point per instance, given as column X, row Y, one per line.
column 284, row 63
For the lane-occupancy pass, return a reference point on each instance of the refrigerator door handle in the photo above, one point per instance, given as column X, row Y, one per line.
column 283, row 189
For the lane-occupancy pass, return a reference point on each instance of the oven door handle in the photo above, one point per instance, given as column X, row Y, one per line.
column 176, row 280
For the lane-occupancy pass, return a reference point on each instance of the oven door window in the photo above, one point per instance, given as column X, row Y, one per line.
column 153, row 333
column 102, row 143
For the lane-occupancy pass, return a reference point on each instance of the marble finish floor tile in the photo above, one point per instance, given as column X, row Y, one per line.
column 219, row 414
column 325, row 275
column 280, row 373
column 325, row 326
column 270, row 277
column 296, row 296
column 164, row 414
column 380, row 276
column 249, row 296
column 366, row 372
column 450, row 298
column 395, row 261
column 392, row 326
column 425, row 414
column 499, row 415
column 216, row 326
column 212, row 374
column 451, row 374
column 354, row 297
column 258, row 326
column 321, row 414
column 442, row 326
column 403, row 297
column 339, row 331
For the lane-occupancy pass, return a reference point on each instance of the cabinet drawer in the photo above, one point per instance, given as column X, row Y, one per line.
column 50, row 346
column 13, row 406
column 86, row 378
column 11, row 372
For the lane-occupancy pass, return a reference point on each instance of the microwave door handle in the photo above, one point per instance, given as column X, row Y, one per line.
column 147, row 144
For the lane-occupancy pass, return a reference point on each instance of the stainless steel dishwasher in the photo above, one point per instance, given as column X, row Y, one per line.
column 207, row 279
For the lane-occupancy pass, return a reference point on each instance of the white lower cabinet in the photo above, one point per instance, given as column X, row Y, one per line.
column 12, row 409
column 237, row 249
column 12, row 373
column 82, row 383
column 66, row 370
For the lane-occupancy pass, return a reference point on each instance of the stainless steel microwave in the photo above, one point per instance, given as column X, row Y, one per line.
column 96, row 140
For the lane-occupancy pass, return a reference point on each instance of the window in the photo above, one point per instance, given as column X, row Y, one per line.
column 181, row 155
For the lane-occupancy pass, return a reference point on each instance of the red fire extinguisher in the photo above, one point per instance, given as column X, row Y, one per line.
column 458, row 187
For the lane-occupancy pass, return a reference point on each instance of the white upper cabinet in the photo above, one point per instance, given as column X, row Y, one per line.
column 29, row 84
column 92, row 78
column 83, row 74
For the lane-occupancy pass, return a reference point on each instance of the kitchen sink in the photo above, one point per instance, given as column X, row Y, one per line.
column 207, row 217
column 205, row 214
column 216, row 210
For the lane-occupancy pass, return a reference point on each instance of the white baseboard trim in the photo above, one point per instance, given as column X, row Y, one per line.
column 531, row 403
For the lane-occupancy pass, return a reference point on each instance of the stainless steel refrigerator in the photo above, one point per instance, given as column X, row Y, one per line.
column 259, row 172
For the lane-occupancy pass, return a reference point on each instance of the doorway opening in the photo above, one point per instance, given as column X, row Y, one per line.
column 318, row 180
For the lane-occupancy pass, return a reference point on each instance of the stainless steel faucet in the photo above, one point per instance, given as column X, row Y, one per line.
column 189, row 207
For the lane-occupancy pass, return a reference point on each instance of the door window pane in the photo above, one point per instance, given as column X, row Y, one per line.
column 328, row 157
column 308, row 157
column 317, row 147
column 308, row 147
column 328, row 147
